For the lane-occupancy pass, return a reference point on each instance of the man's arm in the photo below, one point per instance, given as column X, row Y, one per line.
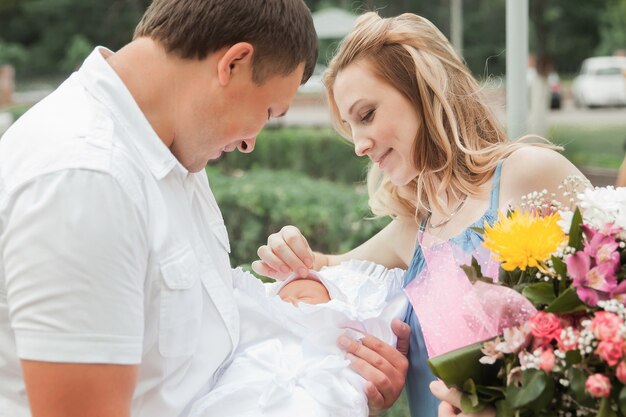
column 79, row 390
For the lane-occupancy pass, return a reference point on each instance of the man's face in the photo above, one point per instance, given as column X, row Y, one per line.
column 232, row 116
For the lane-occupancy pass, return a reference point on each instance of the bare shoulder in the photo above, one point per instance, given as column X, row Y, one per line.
column 533, row 168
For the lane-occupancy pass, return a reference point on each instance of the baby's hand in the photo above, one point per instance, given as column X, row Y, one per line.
column 286, row 251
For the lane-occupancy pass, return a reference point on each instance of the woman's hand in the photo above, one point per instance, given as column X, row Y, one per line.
column 451, row 402
column 286, row 251
column 383, row 366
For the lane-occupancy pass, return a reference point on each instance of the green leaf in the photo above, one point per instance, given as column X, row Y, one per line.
column 504, row 410
column 456, row 367
column 509, row 278
column 479, row 230
column 577, row 378
column 474, row 273
column 575, row 231
column 470, row 404
column 544, row 400
column 621, row 400
column 567, row 302
column 561, row 269
column 605, row 409
column 490, row 395
column 539, row 293
column 534, row 383
column 573, row 357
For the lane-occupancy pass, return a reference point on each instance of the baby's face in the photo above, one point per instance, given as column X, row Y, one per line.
column 308, row 291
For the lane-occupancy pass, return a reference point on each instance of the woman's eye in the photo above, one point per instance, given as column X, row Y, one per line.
column 368, row 116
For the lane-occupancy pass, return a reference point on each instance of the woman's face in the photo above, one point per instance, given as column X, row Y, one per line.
column 382, row 121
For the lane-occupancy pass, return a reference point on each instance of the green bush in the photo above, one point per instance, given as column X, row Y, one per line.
column 319, row 153
column 258, row 203
column 79, row 48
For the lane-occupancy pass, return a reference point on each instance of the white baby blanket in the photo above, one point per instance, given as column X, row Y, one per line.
column 287, row 362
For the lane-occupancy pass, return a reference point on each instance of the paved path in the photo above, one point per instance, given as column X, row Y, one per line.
column 311, row 110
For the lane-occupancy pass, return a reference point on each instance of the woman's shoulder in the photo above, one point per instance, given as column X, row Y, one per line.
column 533, row 168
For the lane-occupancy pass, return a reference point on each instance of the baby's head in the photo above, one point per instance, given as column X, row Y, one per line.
column 307, row 290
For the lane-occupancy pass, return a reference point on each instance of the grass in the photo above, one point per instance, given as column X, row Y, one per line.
column 601, row 147
column 400, row 408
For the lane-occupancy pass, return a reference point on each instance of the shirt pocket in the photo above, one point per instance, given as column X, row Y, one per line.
column 181, row 304
column 221, row 234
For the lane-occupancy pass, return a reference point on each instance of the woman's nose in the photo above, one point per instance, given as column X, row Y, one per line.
column 362, row 146
column 246, row 146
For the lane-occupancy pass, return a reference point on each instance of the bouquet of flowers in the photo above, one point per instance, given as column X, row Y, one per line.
column 567, row 358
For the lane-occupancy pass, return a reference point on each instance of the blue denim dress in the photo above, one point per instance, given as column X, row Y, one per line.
column 421, row 402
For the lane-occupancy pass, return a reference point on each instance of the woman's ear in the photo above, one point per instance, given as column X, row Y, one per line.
column 236, row 58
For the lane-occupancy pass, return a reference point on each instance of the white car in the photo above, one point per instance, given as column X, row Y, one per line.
column 601, row 82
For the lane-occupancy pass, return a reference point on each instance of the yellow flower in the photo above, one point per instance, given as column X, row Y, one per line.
column 523, row 240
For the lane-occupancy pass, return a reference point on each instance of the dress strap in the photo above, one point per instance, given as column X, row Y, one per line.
column 495, row 187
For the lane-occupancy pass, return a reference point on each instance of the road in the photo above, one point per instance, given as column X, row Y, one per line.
column 311, row 110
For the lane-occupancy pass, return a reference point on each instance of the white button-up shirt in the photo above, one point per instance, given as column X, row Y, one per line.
column 110, row 250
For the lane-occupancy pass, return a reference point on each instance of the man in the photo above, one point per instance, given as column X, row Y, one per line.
column 115, row 285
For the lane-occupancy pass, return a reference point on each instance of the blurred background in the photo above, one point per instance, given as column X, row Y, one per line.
column 301, row 172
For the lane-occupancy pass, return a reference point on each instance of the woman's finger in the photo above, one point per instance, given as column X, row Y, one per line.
column 447, row 410
column 269, row 258
column 298, row 244
column 449, row 395
column 265, row 270
column 287, row 256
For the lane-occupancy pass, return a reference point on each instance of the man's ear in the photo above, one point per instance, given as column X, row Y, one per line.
column 233, row 61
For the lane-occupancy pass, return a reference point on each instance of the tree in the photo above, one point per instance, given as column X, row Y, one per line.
column 612, row 28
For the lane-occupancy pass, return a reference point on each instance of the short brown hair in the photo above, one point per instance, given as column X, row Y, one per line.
column 281, row 31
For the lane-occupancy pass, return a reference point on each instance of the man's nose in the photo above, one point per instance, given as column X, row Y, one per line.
column 246, row 146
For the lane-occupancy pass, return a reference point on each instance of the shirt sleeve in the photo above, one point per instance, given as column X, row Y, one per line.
column 75, row 254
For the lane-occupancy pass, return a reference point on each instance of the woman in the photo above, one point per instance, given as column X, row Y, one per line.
column 441, row 163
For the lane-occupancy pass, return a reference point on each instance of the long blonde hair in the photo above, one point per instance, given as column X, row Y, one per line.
column 460, row 142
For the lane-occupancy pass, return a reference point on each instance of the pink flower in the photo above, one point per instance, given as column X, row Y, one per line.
column 545, row 327
column 546, row 360
column 515, row 339
column 601, row 247
column 619, row 293
column 620, row 372
column 598, row 386
column 491, row 352
column 605, row 325
column 592, row 283
column 610, row 351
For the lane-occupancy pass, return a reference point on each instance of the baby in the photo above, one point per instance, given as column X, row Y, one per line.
column 309, row 290
column 287, row 362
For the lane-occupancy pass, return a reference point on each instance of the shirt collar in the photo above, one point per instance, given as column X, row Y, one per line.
column 105, row 85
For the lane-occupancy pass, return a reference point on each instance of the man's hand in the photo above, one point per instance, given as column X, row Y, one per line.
column 383, row 366
column 79, row 390
column 451, row 402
